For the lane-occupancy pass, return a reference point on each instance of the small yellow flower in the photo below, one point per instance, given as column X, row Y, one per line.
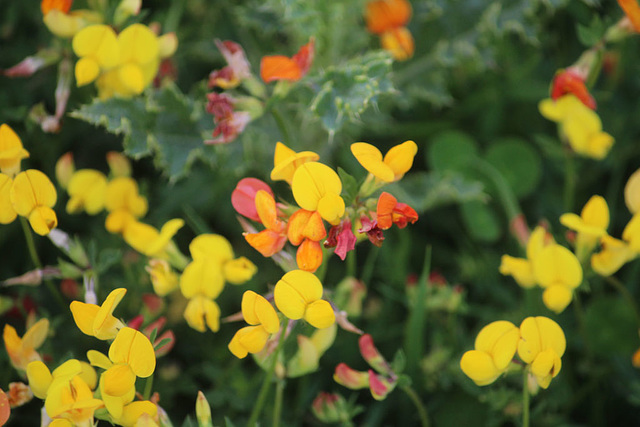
column 541, row 346
column 22, row 351
column 495, row 347
column 262, row 317
column 614, row 254
column 591, row 225
column 98, row 321
column 522, row 269
column 298, row 296
column 97, row 47
column 163, row 278
column 148, row 240
column 392, row 167
column 202, row 312
column 11, row 151
column 71, row 400
column 86, row 190
column 33, row 195
column 317, row 187
column 558, row 271
column 124, row 204
column 286, row 161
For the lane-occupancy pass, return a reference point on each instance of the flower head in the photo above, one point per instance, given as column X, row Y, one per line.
column 124, row 203
column 541, row 345
column 392, row 167
column 202, row 312
column 286, row 162
column 298, row 295
column 384, row 15
column 33, row 196
column 317, row 187
column 522, row 268
column 98, row 49
column 98, row 321
column 237, row 68
column 86, row 189
column 280, row 67
column 558, row 271
column 390, row 212
column 262, row 317
column 148, row 240
column 163, row 278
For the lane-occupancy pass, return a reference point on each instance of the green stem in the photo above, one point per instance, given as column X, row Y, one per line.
column 582, row 325
column 281, row 125
column 148, row 386
column 277, row 408
column 525, row 399
column 369, row 265
column 626, row 295
column 28, row 236
column 264, row 390
column 505, row 194
column 422, row 411
column 351, row 263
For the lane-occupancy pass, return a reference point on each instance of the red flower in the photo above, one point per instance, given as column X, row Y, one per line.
column 571, row 81
column 390, row 212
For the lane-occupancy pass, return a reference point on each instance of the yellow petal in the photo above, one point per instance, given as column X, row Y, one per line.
column 530, row 343
column 118, row 380
column 7, row 213
column 201, row 313
column 98, row 42
column 133, row 348
column 286, row 162
column 371, row 159
column 294, row 291
column 138, row 44
column 134, row 410
column 552, row 335
column 202, row 277
column 320, row 314
column 105, row 325
column 235, row 346
column 520, row 269
column 557, row 298
column 331, row 208
column 86, row 189
column 40, row 378
column 66, row 25
column 84, row 315
column 311, row 182
column 599, row 145
column 88, row 375
column 98, row 359
column 167, row 45
column 86, row 71
column 253, row 338
column 207, row 246
column 538, row 239
column 239, row 270
column 615, row 253
column 30, row 189
column 400, row 158
column 556, row 265
column 11, row 151
column 132, row 78
column 498, row 339
column 632, row 192
column 36, row 334
column 479, row 366
column 631, row 233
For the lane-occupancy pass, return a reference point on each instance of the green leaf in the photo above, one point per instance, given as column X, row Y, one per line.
column 451, row 150
column 347, row 91
column 350, row 187
column 518, row 163
column 481, row 221
column 592, row 34
column 399, row 362
column 426, row 190
column 228, row 422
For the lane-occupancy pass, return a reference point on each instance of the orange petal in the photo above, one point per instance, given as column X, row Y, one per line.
column 267, row 242
column 297, row 224
column 314, row 229
column 304, row 57
column 386, row 204
column 309, row 256
column 279, row 67
column 384, row 15
column 632, row 10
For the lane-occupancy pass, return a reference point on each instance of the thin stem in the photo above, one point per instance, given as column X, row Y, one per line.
column 264, row 390
column 28, row 236
column 281, row 125
column 148, row 386
column 369, row 265
column 277, row 408
column 422, row 411
column 525, row 399
column 625, row 294
column 582, row 325
column 351, row 263
column 569, row 181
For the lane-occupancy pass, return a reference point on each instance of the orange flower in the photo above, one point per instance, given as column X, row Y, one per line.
column 385, row 15
column 307, row 229
column 271, row 240
column 571, row 81
column 62, row 5
column 391, row 212
column 632, row 10
column 399, row 42
column 279, row 67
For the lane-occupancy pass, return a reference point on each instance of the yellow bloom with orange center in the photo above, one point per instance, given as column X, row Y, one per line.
column 124, row 203
column 392, row 167
column 298, row 295
column 262, row 317
column 521, row 269
column 542, row 343
column 11, row 151
column 317, row 187
column 98, row 321
column 286, row 161
column 495, row 347
column 558, row 271
column 33, row 195
column 272, row 239
column 150, row 241
column 22, row 351
column 580, row 125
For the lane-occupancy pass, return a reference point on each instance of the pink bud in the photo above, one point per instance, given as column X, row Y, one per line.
column 136, row 322
column 244, row 196
column 373, row 357
column 350, row 378
column 379, row 385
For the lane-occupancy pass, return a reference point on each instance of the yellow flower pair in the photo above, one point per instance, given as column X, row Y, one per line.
column 539, row 342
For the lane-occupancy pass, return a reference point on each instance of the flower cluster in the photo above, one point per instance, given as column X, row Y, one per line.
column 539, row 342
column 298, row 295
column 29, row 193
column 317, row 191
column 388, row 19
column 121, row 64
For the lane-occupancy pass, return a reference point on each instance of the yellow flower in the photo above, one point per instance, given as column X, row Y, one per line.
column 495, row 347
column 71, row 400
column 148, row 240
column 317, row 187
column 67, row 25
column 7, row 212
column 631, row 233
column 614, row 254
column 591, row 225
column 11, row 151
column 86, row 191
column 119, row 164
column 579, row 124
column 97, row 47
column 136, row 411
column 399, row 42
column 33, row 195
column 163, row 278
column 98, row 321
column 40, row 378
column 520, row 268
column 202, row 312
column 541, row 346
column 286, row 161
column 392, row 167
column 298, row 295
column 139, row 58
column 632, row 192
column 262, row 317
column 22, row 351
column 124, row 204
column 558, row 271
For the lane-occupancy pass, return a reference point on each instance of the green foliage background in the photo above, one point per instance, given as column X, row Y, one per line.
column 468, row 98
